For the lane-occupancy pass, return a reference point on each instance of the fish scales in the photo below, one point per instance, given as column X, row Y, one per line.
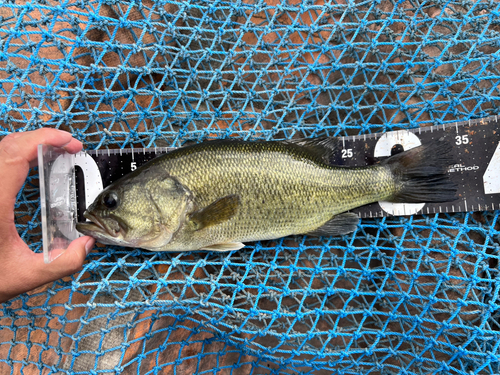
column 283, row 189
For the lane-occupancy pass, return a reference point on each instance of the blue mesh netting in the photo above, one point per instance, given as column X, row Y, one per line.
column 413, row 295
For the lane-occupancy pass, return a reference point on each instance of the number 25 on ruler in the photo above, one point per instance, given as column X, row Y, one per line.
column 347, row 153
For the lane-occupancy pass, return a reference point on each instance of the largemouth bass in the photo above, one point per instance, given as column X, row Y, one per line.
column 219, row 194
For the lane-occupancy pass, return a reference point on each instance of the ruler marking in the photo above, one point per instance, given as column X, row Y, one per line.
column 366, row 136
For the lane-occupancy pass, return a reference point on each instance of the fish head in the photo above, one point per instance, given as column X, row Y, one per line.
column 144, row 211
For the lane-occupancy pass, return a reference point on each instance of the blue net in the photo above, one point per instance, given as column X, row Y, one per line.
column 402, row 295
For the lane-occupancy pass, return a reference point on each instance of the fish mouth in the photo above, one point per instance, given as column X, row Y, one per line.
column 96, row 226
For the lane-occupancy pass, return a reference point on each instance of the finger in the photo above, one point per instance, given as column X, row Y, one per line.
column 16, row 152
column 72, row 147
column 69, row 262
column 24, row 144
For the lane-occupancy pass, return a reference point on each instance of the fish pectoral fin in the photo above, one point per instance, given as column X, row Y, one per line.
column 229, row 246
column 217, row 212
column 337, row 226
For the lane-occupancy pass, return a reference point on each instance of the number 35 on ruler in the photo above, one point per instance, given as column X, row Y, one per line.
column 462, row 139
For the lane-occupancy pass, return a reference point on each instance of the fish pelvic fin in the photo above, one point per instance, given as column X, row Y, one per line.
column 421, row 174
column 229, row 246
column 217, row 212
column 337, row 226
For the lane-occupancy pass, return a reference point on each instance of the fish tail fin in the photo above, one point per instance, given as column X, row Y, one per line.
column 421, row 174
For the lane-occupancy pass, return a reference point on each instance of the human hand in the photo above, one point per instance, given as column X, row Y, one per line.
column 21, row 269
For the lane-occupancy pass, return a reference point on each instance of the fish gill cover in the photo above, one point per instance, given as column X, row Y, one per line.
column 402, row 295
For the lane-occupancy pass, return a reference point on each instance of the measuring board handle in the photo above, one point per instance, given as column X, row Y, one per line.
column 476, row 172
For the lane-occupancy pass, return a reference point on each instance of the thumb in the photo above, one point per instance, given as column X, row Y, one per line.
column 70, row 261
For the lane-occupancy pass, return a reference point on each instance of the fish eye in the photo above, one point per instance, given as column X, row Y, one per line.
column 110, row 200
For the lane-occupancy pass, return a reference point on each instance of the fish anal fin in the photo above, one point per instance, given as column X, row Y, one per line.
column 337, row 226
column 229, row 246
column 217, row 212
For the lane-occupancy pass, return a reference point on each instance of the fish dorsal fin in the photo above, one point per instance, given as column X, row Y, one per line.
column 229, row 246
column 337, row 226
column 323, row 148
column 217, row 212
